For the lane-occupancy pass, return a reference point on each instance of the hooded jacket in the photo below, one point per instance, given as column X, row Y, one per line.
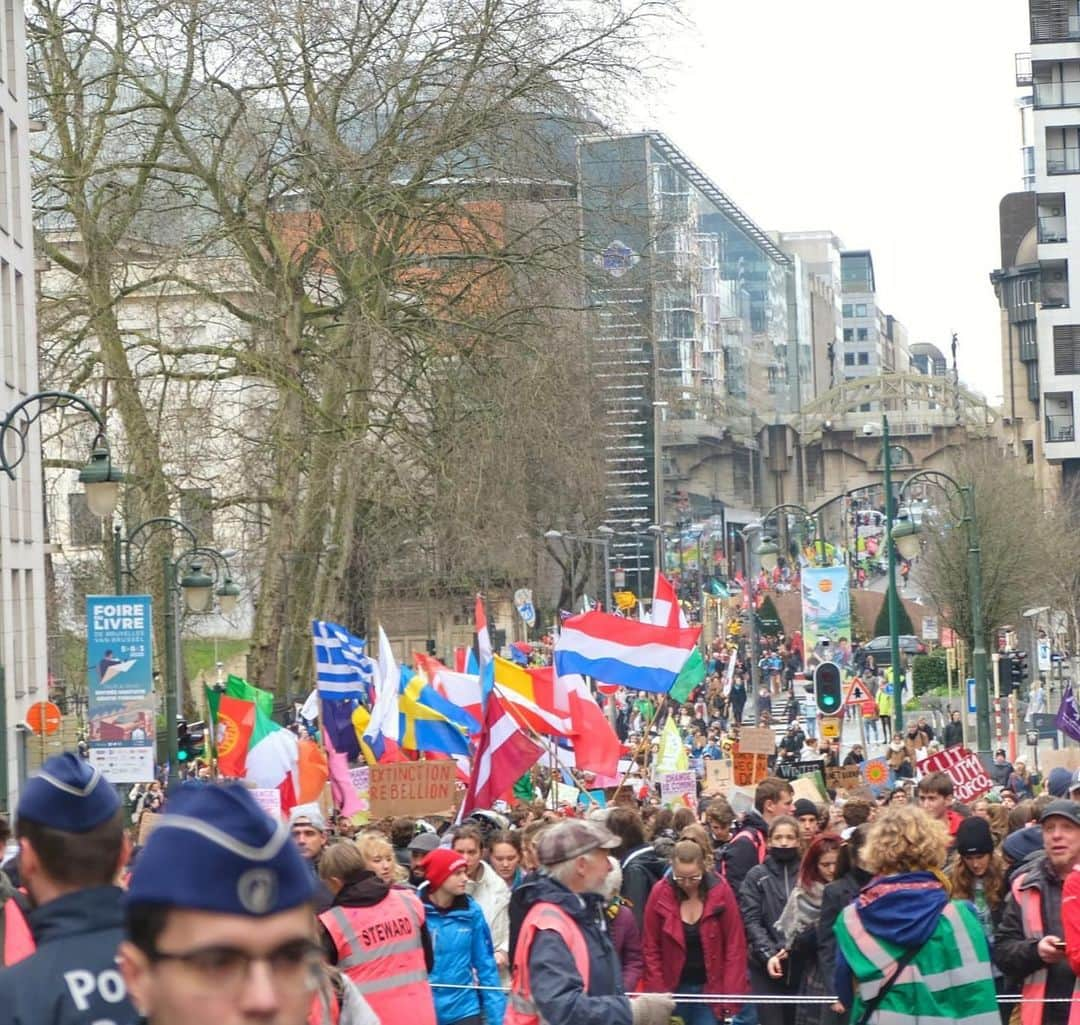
column 762, row 899
column 836, row 896
column 722, row 941
column 461, row 941
column 642, row 869
column 742, row 852
column 949, row 978
column 556, row 986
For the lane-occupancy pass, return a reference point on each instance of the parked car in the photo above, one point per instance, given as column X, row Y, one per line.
column 881, row 649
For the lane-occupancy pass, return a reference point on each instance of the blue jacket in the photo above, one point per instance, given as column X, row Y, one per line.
column 462, row 943
column 72, row 979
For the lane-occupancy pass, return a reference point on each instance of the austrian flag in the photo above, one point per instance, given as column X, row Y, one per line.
column 616, row 650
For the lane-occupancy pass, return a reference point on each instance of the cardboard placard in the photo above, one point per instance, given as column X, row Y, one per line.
column 843, row 777
column 566, row 795
column 757, row 740
column 808, row 787
column 717, row 774
column 793, row 770
column 748, row 769
column 147, row 823
column 1065, row 757
column 411, row 788
column 678, row 789
column 964, row 769
column 269, row 800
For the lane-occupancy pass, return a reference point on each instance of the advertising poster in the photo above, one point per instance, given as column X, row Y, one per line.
column 826, row 608
column 120, row 684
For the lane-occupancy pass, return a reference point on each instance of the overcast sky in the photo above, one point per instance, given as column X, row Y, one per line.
column 892, row 124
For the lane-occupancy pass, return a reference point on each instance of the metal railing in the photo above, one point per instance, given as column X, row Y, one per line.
column 1060, row 427
column 1063, row 161
column 1023, row 68
column 1057, row 94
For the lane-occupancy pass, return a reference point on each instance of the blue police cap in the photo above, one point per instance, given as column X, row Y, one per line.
column 215, row 849
column 68, row 794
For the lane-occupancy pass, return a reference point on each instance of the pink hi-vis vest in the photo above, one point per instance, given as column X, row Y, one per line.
column 380, row 949
column 521, row 1010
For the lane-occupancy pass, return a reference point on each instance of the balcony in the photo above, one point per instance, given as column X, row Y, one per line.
column 1057, row 94
column 1054, row 28
column 1063, row 161
column 1052, row 229
column 1023, row 69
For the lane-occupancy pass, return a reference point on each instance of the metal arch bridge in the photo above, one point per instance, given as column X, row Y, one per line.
column 916, row 404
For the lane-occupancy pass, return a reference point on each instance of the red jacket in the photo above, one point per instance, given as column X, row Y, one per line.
column 722, row 939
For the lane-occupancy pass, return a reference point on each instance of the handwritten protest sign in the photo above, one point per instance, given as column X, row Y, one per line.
column 717, row 775
column 413, row 788
column 678, row 789
column 757, row 740
column 964, row 769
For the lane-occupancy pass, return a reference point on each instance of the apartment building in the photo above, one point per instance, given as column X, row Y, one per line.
column 23, row 636
column 1040, row 240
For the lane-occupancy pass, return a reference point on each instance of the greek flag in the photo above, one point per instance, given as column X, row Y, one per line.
column 343, row 670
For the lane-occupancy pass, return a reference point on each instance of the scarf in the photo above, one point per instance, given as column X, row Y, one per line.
column 802, row 910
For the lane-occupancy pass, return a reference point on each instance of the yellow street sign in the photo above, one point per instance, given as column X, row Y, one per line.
column 830, row 727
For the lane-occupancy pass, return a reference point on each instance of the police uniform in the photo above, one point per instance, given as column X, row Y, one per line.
column 72, row 977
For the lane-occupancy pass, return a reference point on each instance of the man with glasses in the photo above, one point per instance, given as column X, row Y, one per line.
column 219, row 917
column 72, row 847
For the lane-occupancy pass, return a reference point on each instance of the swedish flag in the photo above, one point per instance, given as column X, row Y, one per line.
column 428, row 722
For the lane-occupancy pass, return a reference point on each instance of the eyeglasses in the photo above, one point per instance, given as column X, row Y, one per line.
column 227, row 969
column 687, row 879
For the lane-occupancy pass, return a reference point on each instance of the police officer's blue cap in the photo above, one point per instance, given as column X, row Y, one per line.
column 215, row 849
column 68, row 794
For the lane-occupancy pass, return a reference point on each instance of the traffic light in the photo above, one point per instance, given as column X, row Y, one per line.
column 828, row 688
column 1019, row 668
column 190, row 740
column 1005, row 675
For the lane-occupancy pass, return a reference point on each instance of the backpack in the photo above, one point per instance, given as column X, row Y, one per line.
column 761, row 846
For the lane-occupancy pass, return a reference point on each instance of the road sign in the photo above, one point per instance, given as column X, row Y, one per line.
column 1044, row 654
column 43, row 718
column 830, row 727
column 857, row 693
column 972, row 707
column 929, row 628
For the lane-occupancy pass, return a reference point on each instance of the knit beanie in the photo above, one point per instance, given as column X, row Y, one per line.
column 973, row 836
column 440, row 865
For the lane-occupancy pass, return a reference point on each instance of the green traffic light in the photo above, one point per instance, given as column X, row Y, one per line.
column 181, row 755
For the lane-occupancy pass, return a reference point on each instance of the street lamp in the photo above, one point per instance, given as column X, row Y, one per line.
column 101, row 478
column 905, row 535
column 768, row 553
column 183, row 575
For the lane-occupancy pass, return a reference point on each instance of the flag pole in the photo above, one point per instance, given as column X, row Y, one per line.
column 641, row 743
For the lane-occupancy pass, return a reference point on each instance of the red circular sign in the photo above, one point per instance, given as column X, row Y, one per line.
column 44, row 717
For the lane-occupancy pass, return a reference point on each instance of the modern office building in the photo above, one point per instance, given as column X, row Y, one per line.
column 695, row 347
column 1040, row 239
column 928, row 359
column 23, row 666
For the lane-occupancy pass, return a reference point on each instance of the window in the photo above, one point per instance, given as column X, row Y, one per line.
column 862, row 334
column 849, row 334
column 848, row 310
column 197, row 512
column 84, row 528
column 1067, row 349
column 864, row 359
column 860, row 309
column 849, row 359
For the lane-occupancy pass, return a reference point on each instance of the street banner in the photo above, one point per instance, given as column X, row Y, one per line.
column 120, row 685
column 414, row 788
column 1042, row 648
column 970, row 780
column 678, row 790
column 826, row 609
column 1068, row 716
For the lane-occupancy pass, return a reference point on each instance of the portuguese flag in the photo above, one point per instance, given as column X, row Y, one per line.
column 233, row 722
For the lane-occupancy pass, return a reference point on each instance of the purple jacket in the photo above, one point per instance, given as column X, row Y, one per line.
column 626, row 940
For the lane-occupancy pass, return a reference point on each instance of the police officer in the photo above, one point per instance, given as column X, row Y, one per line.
column 219, row 919
column 72, row 846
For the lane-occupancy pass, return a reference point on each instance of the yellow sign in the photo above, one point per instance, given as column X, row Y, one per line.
column 830, row 727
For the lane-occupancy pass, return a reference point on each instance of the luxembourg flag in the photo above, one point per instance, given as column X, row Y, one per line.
column 616, row 650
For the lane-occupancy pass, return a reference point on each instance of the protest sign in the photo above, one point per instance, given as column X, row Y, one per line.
column 678, row 789
column 748, row 769
column 809, row 787
column 757, row 740
column 269, row 799
column 717, row 775
column 793, row 770
column 964, row 769
column 843, row 777
column 412, row 788
column 148, row 821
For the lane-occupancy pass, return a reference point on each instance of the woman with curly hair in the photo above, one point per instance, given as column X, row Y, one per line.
column 799, row 921
column 903, row 947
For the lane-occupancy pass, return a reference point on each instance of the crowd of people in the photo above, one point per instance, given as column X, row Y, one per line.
column 908, row 907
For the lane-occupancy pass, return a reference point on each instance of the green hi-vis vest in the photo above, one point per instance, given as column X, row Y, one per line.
column 949, row 980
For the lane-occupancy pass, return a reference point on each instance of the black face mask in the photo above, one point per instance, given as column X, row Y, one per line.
column 785, row 855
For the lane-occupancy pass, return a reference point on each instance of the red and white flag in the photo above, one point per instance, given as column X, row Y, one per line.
column 483, row 637
column 503, row 755
column 666, row 610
